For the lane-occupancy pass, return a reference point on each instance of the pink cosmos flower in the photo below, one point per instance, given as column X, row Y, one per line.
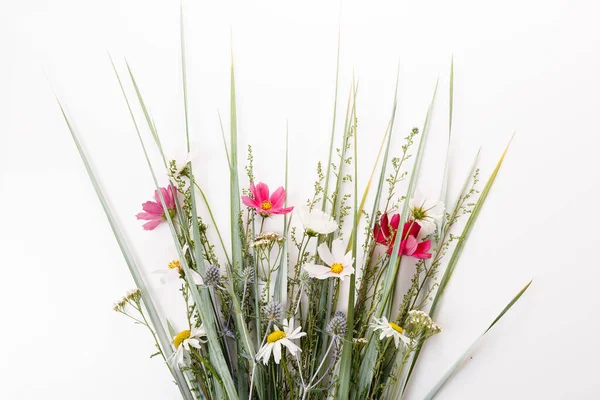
column 264, row 204
column 153, row 210
column 410, row 246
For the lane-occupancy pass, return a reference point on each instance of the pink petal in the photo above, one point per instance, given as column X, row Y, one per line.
column 152, row 208
column 281, row 210
column 411, row 228
column 147, row 216
column 410, row 245
column 262, row 193
column 250, row 202
column 422, row 250
column 150, row 226
column 278, row 197
column 382, row 230
column 395, row 222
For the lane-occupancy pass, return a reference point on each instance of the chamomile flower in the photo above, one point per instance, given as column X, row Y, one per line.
column 174, row 273
column 339, row 263
column 316, row 221
column 426, row 212
column 390, row 329
column 279, row 338
column 182, row 342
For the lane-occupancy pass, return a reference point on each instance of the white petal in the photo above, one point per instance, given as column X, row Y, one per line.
column 338, row 249
column 397, row 339
column 348, row 260
column 304, row 216
column 317, row 271
column 277, row 352
column 291, row 346
column 325, row 254
column 197, row 278
column 194, row 343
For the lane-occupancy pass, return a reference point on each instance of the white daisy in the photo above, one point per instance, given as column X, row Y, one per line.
column 182, row 342
column 316, row 221
column 277, row 338
column 339, row 263
column 174, row 273
column 390, row 329
column 426, row 212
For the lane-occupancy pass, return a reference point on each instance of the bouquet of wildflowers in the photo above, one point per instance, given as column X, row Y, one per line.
column 312, row 309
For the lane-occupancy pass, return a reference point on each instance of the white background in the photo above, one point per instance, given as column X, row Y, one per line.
column 525, row 66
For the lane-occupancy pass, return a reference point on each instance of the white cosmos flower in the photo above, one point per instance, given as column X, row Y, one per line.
column 182, row 157
column 175, row 272
column 316, row 221
column 339, row 263
column 279, row 338
column 390, row 329
column 182, row 342
column 426, row 212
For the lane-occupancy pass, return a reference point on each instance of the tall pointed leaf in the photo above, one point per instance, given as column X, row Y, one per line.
column 467, row 354
column 164, row 341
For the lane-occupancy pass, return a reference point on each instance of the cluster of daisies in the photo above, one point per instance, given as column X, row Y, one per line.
column 335, row 263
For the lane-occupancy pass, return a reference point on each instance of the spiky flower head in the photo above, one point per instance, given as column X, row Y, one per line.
column 248, row 275
column 337, row 326
column 212, row 276
column 273, row 311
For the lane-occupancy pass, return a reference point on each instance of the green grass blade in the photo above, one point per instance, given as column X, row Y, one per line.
column 282, row 276
column 465, row 235
column 328, row 173
column 236, row 241
column 164, row 340
column 202, row 300
column 444, row 190
column 466, row 355
column 363, row 200
column 149, row 120
column 184, row 77
column 508, row 306
column 389, row 282
column 367, row 366
column 244, row 341
column 344, row 382
column 442, row 233
column 224, row 140
column 459, row 247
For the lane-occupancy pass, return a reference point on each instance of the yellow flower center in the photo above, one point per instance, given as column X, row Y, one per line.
column 275, row 336
column 181, row 336
column 396, row 327
column 175, row 265
column 337, row 268
column 266, row 205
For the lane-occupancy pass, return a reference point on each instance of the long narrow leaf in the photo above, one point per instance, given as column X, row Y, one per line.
column 328, row 173
column 344, row 380
column 444, row 190
column 164, row 341
column 466, row 355
column 465, row 235
column 203, row 301
column 442, row 233
column 367, row 366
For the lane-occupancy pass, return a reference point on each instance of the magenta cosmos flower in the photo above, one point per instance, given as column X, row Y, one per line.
column 385, row 233
column 264, row 204
column 153, row 210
